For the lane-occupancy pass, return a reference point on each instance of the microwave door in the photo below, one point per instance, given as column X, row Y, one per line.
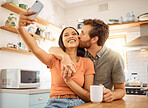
column 29, row 76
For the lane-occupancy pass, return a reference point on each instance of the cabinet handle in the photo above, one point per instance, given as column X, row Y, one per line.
column 40, row 98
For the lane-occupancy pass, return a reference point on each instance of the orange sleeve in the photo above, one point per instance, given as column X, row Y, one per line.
column 89, row 66
column 53, row 61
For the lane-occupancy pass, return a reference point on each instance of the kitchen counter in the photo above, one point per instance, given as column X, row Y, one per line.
column 144, row 89
column 129, row 101
column 25, row 91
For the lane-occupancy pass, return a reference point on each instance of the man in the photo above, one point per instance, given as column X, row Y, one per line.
column 109, row 66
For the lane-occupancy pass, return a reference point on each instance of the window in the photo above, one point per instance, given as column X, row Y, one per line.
column 116, row 43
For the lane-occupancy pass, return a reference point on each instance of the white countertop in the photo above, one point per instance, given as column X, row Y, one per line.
column 25, row 91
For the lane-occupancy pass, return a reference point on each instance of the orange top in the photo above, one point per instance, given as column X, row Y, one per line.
column 58, row 86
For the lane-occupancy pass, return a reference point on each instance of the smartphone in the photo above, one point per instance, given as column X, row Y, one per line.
column 37, row 6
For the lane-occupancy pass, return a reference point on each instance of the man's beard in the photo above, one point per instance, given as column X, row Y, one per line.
column 85, row 44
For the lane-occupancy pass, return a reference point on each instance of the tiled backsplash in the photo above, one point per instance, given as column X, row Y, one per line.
column 137, row 60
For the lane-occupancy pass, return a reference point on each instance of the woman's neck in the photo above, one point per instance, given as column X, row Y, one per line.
column 72, row 52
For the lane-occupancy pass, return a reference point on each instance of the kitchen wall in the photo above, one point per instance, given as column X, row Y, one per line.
column 116, row 9
column 50, row 12
column 137, row 60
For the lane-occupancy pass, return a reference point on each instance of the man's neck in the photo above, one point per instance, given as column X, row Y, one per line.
column 93, row 50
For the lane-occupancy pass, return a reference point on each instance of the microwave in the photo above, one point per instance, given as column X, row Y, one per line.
column 20, row 78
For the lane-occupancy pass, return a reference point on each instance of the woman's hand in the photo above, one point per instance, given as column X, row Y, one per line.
column 66, row 73
column 25, row 20
column 68, row 65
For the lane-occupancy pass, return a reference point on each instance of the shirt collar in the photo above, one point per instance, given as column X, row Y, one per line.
column 99, row 54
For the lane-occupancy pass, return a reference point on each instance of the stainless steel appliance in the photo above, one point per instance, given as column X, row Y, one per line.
column 20, row 78
column 142, row 41
column 134, row 90
column 134, row 86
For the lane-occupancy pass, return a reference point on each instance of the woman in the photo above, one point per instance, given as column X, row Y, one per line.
column 66, row 90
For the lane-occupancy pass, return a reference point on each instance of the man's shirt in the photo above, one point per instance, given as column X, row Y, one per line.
column 109, row 67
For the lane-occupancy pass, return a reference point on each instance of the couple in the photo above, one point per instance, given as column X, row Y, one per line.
column 70, row 85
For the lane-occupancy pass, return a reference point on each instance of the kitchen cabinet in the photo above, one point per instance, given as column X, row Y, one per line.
column 23, row 100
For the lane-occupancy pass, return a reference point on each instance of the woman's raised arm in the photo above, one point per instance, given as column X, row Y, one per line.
column 25, row 20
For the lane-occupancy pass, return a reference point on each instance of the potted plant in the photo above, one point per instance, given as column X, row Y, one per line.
column 11, row 20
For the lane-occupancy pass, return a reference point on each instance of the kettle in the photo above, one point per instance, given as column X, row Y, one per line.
column 134, row 80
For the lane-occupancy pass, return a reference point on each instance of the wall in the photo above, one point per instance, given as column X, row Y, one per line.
column 25, row 61
column 137, row 60
column 117, row 8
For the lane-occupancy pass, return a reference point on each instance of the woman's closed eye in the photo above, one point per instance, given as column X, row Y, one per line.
column 74, row 34
column 66, row 35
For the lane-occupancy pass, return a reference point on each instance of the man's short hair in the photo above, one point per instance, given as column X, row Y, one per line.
column 100, row 29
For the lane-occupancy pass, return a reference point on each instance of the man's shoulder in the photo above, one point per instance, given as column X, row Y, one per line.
column 115, row 58
column 113, row 54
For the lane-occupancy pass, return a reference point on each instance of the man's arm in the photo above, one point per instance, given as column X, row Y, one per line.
column 59, row 53
column 119, row 91
column 118, row 79
column 66, row 62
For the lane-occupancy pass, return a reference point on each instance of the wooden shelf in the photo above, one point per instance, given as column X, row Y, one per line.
column 14, row 30
column 15, row 50
column 126, row 25
column 18, row 10
column 9, row 28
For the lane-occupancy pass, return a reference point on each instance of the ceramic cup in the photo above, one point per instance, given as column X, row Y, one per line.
column 96, row 93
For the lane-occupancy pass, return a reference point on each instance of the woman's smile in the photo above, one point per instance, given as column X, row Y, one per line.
column 72, row 41
column 70, row 38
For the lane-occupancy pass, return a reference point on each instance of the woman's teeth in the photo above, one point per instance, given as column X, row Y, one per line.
column 71, row 41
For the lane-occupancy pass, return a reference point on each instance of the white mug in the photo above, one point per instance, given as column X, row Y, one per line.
column 96, row 93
